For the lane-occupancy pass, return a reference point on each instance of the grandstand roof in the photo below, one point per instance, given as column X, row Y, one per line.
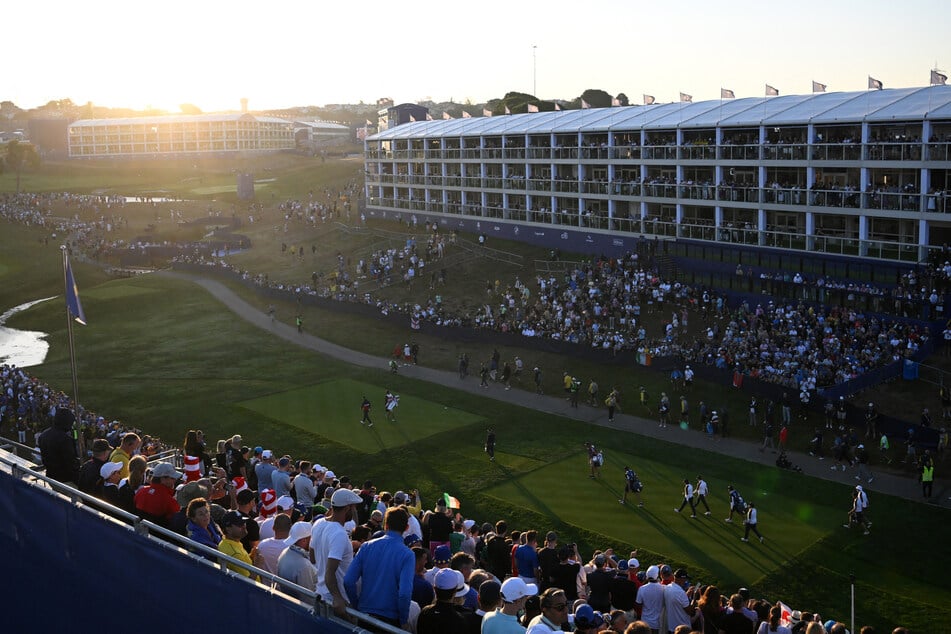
column 176, row 118
column 893, row 104
column 322, row 125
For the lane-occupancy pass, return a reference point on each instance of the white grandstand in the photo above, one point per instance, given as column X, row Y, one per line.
column 854, row 173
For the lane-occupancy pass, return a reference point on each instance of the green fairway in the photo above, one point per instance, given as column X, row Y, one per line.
column 332, row 409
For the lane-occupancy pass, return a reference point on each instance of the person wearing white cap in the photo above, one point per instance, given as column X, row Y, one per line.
column 443, row 615
column 650, row 597
column 285, row 505
column 294, row 564
column 111, row 473
column 156, row 502
column 331, row 550
column 505, row 621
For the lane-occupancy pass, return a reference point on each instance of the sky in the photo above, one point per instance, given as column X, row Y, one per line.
column 287, row 53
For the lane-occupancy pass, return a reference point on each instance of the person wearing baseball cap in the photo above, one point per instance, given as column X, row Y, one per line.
column 587, row 619
column 89, row 472
column 443, row 616
column 111, row 474
column 294, row 564
column 331, row 550
column 234, row 525
column 650, row 598
column 514, row 593
column 156, row 502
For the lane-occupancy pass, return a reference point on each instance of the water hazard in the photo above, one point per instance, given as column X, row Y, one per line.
column 23, row 348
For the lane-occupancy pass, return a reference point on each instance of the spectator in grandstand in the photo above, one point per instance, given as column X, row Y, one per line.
column 599, row 585
column 439, row 525
column 263, row 470
column 131, row 485
column 89, row 471
column 109, row 482
column 490, row 598
column 268, row 550
column 526, row 558
column 156, row 502
column 58, row 448
column 245, row 504
column 200, row 528
column 514, row 593
column 650, row 599
column 443, row 614
column 587, row 619
column 497, row 551
column 547, row 559
column 734, row 620
column 294, row 564
column 281, row 477
column 234, row 525
column 772, row 625
column 554, row 607
column 385, row 566
column 127, row 448
column 194, row 457
column 422, row 587
column 331, row 550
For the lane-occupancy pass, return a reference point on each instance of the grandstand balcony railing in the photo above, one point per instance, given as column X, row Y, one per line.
column 835, row 152
column 893, row 151
column 938, row 152
column 23, row 469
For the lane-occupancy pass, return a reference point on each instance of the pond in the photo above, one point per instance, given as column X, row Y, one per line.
column 22, row 348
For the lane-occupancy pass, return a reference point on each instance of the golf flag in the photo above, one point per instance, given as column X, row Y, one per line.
column 446, row 115
column 412, row 119
column 508, row 110
column 73, row 305
column 685, row 98
column 466, row 115
column 938, row 78
column 557, row 106
column 532, row 107
column 451, row 502
column 817, row 87
column 771, row 92
column 585, row 105
column 486, row 112
column 429, row 117
column 726, row 93
column 874, row 84
column 648, row 100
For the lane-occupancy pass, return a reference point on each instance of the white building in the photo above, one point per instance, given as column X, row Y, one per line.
column 853, row 173
column 178, row 135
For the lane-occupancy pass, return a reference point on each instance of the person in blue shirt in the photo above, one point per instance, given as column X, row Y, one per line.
column 386, row 567
column 526, row 558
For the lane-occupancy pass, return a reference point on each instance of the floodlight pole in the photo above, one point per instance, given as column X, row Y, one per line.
column 77, row 435
column 534, row 72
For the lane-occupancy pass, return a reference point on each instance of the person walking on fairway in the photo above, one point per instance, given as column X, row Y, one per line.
column 737, row 505
column 490, row 443
column 688, row 499
column 751, row 523
column 365, row 407
column 632, row 484
column 390, row 403
column 701, row 493
column 300, row 324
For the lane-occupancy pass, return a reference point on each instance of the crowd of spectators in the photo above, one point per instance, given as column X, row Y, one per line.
column 391, row 557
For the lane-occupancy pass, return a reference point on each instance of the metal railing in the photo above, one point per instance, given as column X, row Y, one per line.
column 27, row 472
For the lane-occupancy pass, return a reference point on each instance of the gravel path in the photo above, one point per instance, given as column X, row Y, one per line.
column 884, row 482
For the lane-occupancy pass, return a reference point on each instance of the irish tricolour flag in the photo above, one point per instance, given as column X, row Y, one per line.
column 451, row 502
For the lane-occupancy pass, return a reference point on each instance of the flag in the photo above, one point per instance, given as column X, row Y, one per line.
column 451, row 502
column 615, row 102
column 486, row 112
column 817, row 87
column 938, row 78
column 785, row 614
column 585, row 105
column 73, row 305
column 507, row 110
column 412, row 119
column 557, row 106
column 648, row 100
column 771, row 92
column 369, row 123
column 685, row 98
column 429, row 117
column 726, row 93
column 532, row 107
column 466, row 115
column 874, row 84
column 446, row 115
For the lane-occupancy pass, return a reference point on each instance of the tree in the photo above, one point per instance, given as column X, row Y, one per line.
column 20, row 155
column 189, row 108
column 596, row 98
column 622, row 99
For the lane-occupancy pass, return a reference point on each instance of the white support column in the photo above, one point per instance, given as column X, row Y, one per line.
column 863, row 235
column 717, row 221
column 761, row 226
column 810, row 231
column 923, row 239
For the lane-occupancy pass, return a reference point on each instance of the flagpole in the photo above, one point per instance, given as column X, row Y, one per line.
column 77, row 437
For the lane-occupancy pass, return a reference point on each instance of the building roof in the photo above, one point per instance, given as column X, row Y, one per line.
column 892, row 104
column 175, row 118
column 322, row 125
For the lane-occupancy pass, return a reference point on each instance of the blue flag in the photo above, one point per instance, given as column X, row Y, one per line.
column 72, row 297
